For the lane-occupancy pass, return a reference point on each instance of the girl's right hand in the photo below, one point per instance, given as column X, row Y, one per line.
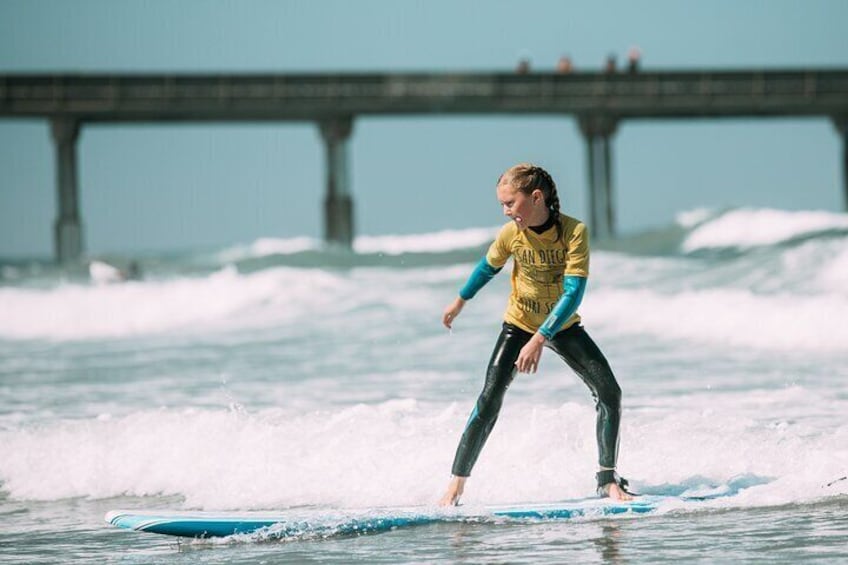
column 452, row 311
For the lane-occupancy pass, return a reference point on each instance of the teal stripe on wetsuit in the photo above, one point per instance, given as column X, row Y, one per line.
column 482, row 274
column 566, row 306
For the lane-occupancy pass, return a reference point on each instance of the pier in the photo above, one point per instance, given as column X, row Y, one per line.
column 599, row 101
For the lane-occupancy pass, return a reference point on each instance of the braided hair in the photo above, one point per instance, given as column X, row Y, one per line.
column 526, row 178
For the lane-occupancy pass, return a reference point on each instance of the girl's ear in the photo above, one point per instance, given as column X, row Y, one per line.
column 538, row 197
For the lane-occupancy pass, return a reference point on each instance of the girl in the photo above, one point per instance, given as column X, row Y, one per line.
column 551, row 262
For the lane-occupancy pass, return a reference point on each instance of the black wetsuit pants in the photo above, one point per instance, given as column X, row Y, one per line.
column 578, row 350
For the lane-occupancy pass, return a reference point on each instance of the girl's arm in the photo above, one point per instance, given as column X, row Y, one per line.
column 566, row 306
column 482, row 274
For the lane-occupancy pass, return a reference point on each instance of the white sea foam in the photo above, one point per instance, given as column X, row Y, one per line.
column 399, row 452
column 834, row 272
column 745, row 228
column 223, row 299
column 691, row 218
column 446, row 240
column 265, row 246
column 726, row 317
column 795, row 302
column 104, row 273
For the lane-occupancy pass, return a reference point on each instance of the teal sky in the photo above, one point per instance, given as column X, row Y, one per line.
column 160, row 187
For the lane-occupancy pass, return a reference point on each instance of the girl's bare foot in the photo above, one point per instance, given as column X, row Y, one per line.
column 613, row 485
column 455, row 488
column 615, row 492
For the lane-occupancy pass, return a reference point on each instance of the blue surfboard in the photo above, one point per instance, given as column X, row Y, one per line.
column 324, row 523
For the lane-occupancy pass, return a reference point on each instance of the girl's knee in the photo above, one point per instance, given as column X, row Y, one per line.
column 604, row 386
column 610, row 396
column 487, row 411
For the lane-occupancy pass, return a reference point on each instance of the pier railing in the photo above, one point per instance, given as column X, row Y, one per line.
column 224, row 97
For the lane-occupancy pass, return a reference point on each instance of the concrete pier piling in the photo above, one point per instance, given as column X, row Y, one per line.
column 67, row 228
column 338, row 203
column 598, row 131
column 841, row 124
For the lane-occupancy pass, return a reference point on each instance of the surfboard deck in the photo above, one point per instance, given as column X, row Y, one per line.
column 324, row 523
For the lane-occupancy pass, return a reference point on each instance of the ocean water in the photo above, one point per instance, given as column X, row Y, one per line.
column 279, row 375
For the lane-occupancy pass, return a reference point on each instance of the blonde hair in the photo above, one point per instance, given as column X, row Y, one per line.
column 526, row 177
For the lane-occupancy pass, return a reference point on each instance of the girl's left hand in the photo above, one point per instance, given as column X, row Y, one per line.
column 528, row 357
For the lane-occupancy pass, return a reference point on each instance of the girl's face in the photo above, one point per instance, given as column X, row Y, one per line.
column 524, row 209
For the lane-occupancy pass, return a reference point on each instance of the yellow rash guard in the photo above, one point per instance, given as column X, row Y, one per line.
column 540, row 263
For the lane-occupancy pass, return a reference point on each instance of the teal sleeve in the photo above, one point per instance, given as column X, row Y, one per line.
column 573, row 288
column 482, row 274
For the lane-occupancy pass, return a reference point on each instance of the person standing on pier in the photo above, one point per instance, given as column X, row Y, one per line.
column 550, row 253
column 634, row 55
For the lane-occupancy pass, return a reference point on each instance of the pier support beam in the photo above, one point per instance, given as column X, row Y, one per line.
column 338, row 204
column 597, row 131
column 841, row 124
column 67, row 228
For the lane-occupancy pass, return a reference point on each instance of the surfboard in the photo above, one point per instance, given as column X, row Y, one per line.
column 323, row 523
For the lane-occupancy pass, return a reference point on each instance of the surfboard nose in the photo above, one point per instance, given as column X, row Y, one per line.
column 125, row 519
